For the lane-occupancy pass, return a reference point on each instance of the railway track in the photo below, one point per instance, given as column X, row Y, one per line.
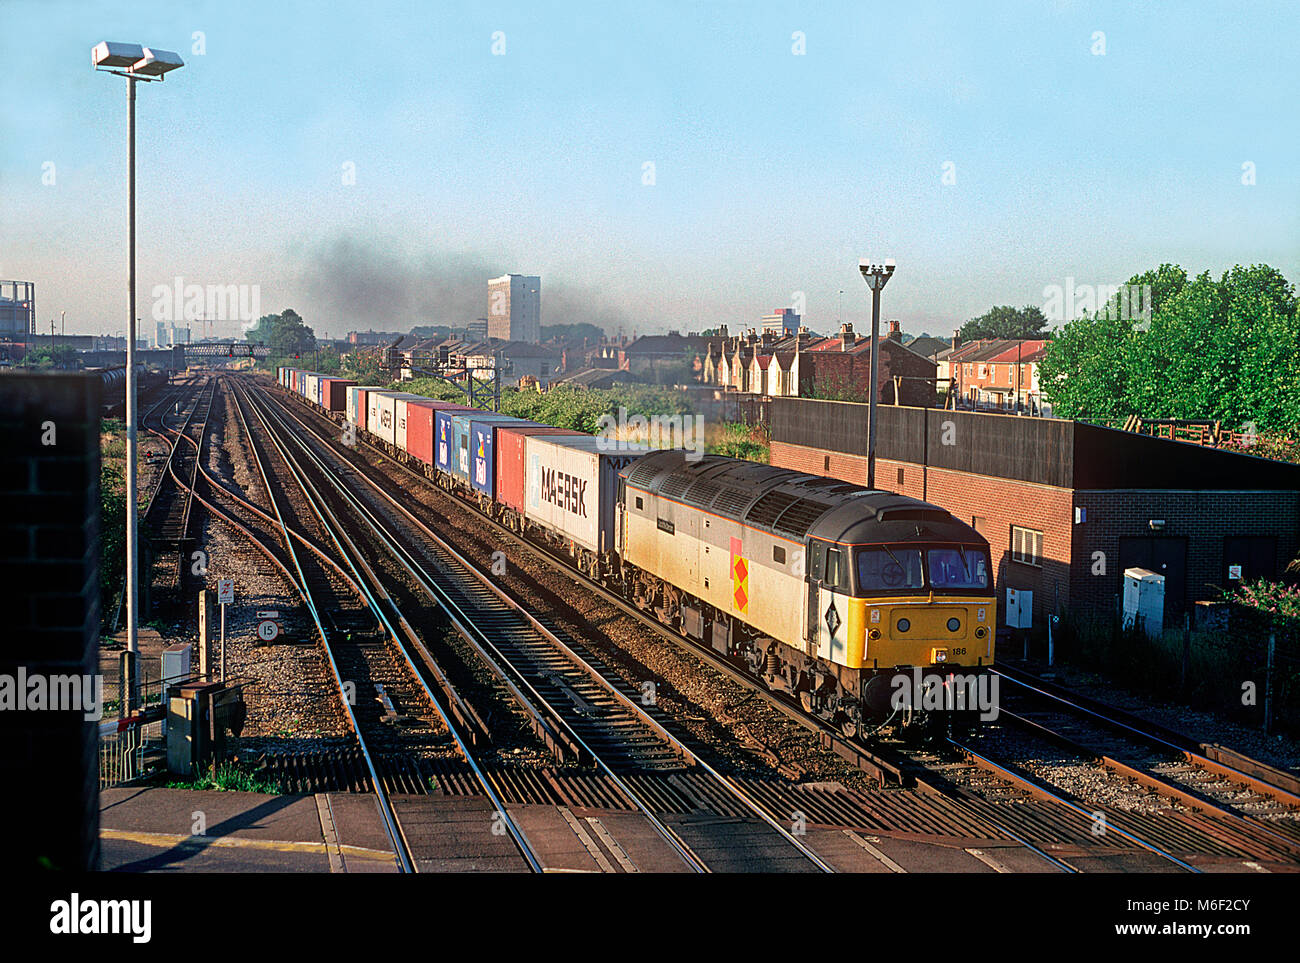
column 1058, row 828
column 1247, row 811
column 580, row 708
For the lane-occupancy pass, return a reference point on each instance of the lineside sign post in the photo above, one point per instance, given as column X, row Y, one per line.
column 225, row 595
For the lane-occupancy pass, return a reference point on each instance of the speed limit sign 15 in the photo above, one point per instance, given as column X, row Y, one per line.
column 267, row 630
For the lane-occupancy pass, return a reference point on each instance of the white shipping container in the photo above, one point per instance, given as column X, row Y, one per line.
column 571, row 487
column 381, row 419
column 399, row 428
column 354, row 396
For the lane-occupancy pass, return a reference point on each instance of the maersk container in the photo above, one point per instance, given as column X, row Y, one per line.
column 421, row 427
column 482, row 448
column 508, row 442
column 403, row 411
column 572, row 487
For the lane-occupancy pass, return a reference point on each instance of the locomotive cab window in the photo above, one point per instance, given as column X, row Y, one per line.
column 958, row 568
column 892, row 569
column 778, row 554
column 837, row 573
column 639, row 502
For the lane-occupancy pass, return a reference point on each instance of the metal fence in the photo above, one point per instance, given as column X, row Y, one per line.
column 121, row 753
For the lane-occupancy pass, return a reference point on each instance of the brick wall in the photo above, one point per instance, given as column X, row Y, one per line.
column 997, row 503
column 49, row 565
column 834, row 371
column 1204, row 519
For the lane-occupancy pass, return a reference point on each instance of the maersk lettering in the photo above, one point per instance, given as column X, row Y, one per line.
column 568, row 492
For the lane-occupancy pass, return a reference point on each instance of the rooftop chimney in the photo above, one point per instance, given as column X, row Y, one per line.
column 956, row 339
column 895, row 331
column 846, row 336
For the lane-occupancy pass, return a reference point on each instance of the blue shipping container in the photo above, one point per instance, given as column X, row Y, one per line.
column 482, row 449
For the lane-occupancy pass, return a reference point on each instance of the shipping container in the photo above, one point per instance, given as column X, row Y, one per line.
column 462, row 453
column 420, row 427
column 356, row 403
column 572, row 487
column 442, row 440
column 381, row 418
column 420, row 407
column 333, row 393
column 508, row 445
column 482, row 449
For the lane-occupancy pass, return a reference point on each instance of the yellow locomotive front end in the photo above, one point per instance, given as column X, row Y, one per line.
column 901, row 601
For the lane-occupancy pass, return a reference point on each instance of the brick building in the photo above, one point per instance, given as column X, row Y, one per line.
column 805, row 365
column 1066, row 506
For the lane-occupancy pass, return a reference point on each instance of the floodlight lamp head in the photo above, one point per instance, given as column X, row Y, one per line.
column 110, row 54
column 155, row 63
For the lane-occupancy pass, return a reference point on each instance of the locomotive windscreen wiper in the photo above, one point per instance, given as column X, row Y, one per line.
column 890, row 553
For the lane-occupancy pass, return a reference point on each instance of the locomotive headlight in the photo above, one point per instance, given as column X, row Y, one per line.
column 981, row 632
column 904, row 625
column 938, row 655
column 954, row 624
column 873, row 634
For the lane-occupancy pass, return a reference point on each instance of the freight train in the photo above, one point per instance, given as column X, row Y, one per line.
column 872, row 609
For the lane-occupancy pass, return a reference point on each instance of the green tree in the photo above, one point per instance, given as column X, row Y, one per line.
column 364, row 367
column 1225, row 350
column 1006, row 322
column 284, row 333
column 61, row 356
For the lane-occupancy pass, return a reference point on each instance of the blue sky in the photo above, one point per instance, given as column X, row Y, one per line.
column 773, row 171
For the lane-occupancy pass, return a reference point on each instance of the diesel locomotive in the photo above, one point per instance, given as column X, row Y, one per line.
column 825, row 590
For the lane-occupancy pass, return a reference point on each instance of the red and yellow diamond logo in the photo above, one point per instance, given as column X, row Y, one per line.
column 739, row 577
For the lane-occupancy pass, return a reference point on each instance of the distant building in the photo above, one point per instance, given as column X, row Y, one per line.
column 805, row 365
column 373, row 337
column 782, row 322
column 515, row 308
column 477, row 330
column 17, row 310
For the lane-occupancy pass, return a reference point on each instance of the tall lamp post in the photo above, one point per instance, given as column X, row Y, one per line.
column 876, row 276
column 133, row 62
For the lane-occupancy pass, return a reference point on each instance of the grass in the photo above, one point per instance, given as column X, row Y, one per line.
column 227, row 777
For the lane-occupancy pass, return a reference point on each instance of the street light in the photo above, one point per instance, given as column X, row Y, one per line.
column 133, row 62
column 876, row 276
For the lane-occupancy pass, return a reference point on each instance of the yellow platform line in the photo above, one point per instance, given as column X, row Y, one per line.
column 169, row 840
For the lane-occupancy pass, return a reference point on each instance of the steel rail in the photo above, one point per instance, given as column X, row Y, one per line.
column 334, row 528
column 732, row 789
column 396, row 837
